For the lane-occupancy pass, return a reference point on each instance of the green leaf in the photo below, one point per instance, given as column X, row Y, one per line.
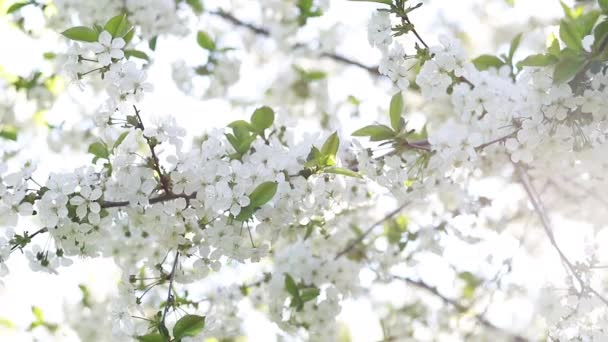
column 309, row 293
column 585, row 23
column 263, row 193
column 196, row 5
column 262, row 118
column 396, row 108
column 290, row 286
column 205, row 41
column 331, row 145
column 554, row 48
column 571, row 13
column 538, row 60
column 137, row 54
column 81, row 33
column 569, row 34
column 99, row 150
column 189, row 325
column 118, row 26
column 603, row 5
column 17, row 6
column 342, row 171
column 386, row 2
column 567, row 68
column 601, row 36
column 129, row 36
column 375, row 132
column 9, row 133
column 120, row 139
column 152, row 338
column 152, row 43
column 514, row 45
column 38, row 313
column 485, row 62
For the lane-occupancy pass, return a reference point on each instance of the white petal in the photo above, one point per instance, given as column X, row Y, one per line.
column 105, row 38
column 118, row 43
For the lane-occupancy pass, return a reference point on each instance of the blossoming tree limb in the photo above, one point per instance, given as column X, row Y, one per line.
column 436, row 214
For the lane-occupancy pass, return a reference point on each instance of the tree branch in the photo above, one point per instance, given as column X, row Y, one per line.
column 266, row 33
column 546, row 224
column 460, row 307
column 363, row 235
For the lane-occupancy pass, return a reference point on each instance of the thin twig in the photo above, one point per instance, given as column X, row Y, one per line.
column 363, row 235
column 546, row 224
column 169, row 295
column 458, row 306
column 266, row 33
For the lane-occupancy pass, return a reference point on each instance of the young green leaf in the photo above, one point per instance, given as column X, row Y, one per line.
column 263, row 193
column 375, row 132
column 99, row 150
column 118, row 26
column 120, row 139
column 514, row 45
column 485, row 62
column 537, row 60
column 196, row 5
column 567, row 68
column 309, row 293
column 603, row 5
column 396, row 108
column 81, row 33
column 290, row 286
column 9, row 133
column 569, row 34
column 342, row 171
column 554, row 49
column 137, row 54
column 205, row 41
column 189, row 325
column 331, row 145
column 262, row 118
column 17, row 6
column 152, row 338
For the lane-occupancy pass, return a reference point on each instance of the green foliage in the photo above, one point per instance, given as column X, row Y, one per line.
column 396, row 107
column 569, row 34
column 40, row 321
column 485, row 62
column 136, row 54
column 538, row 60
column 99, row 150
column 299, row 294
column 262, row 118
column 18, row 5
column 307, row 10
column 342, row 171
column 155, row 337
column 471, row 284
column 375, row 132
column 261, row 195
column 8, row 132
column 196, row 5
column 244, row 133
column 603, row 5
column 118, row 26
column 205, row 41
column 513, row 47
column 568, row 67
column 81, row 33
column 189, row 325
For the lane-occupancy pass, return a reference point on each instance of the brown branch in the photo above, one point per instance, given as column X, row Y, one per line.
column 363, row 235
column 159, row 199
column 547, row 227
column 460, row 307
column 266, row 33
